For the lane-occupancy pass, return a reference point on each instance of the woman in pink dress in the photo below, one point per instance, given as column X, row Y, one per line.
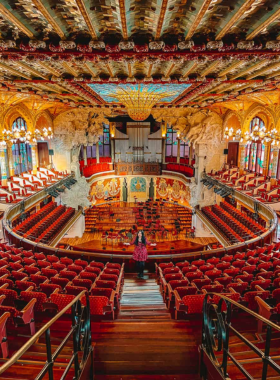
column 140, row 253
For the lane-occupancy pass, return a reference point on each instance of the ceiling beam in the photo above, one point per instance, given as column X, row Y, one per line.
column 275, row 74
column 150, row 68
column 234, row 66
column 169, row 69
column 264, row 70
column 10, row 17
column 209, row 68
column 50, row 69
column 38, row 4
column 244, row 8
column 264, row 25
column 198, row 18
column 90, row 69
column 32, row 71
column 84, row 13
column 249, row 69
column 190, row 68
column 129, row 69
column 14, row 71
column 161, row 18
column 110, row 71
column 123, row 19
column 69, row 69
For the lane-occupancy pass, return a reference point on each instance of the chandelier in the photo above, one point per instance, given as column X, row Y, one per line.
column 25, row 136
column 140, row 99
column 258, row 134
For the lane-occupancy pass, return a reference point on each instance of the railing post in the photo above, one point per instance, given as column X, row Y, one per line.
column 75, row 341
column 266, row 352
column 49, row 354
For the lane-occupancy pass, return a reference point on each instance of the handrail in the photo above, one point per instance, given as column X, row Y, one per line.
column 216, row 329
column 263, row 209
column 37, row 335
column 255, row 315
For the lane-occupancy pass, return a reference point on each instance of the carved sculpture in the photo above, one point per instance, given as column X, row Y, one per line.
column 79, row 127
column 78, row 194
column 196, row 126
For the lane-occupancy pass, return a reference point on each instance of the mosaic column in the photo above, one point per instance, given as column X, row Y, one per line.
column 275, row 152
column 10, row 158
column 3, row 164
column 34, row 155
column 265, row 158
column 178, row 151
column 242, row 151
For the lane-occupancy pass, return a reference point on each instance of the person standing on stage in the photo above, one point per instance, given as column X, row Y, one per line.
column 140, row 253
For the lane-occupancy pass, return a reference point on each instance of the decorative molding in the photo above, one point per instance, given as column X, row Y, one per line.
column 48, row 17
column 10, row 17
column 198, row 18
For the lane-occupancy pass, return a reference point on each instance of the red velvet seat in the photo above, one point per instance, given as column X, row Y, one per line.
column 40, row 298
column 74, row 290
column 82, row 283
column 62, row 300
column 48, row 289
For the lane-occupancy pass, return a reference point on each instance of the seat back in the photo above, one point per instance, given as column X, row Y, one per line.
column 194, row 303
column 40, row 297
column 62, row 300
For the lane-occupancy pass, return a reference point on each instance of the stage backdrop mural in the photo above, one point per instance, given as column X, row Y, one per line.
column 173, row 190
column 101, row 190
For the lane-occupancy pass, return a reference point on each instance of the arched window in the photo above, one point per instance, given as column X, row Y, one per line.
column 254, row 155
column 22, row 155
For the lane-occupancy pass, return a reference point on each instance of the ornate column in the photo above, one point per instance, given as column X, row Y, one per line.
column 190, row 154
column 113, row 149
column 35, row 160
column 178, row 150
column 163, row 134
column 242, row 150
column 10, row 159
column 97, row 152
column 266, row 158
column 275, row 151
column 85, row 155
column 3, row 164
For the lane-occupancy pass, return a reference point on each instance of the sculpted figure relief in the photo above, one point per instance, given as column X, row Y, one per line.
column 195, row 125
column 80, row 126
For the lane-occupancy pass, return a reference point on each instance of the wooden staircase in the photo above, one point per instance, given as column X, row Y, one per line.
column 144, row 342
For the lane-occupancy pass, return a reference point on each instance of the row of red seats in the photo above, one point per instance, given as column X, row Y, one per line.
column 91, row 161
column 34, row 218
column 89, row 170
column 56, row 226
column 244, row 232
column 243, row 276
column 48, row 289
column 243, row 218
column 228, row 232
column 36, row 230
column 184, row 160
column 185, row 169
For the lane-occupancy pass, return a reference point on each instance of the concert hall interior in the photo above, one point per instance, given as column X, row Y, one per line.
column 140, row 189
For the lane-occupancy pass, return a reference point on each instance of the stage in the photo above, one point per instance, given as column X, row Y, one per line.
column 88, row 244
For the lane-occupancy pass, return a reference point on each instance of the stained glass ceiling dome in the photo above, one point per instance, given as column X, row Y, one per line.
column 139, row 99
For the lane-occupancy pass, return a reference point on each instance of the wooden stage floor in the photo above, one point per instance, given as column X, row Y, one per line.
column 89, row 243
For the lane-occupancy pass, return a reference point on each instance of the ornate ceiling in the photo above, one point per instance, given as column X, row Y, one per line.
column 221, row 50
